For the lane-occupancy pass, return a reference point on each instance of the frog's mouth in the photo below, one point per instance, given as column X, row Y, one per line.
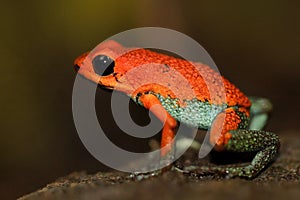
column 108, row 88
column 76, row 67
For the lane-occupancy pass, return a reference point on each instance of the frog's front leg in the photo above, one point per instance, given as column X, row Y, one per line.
column 152, row 103
column 234, row 139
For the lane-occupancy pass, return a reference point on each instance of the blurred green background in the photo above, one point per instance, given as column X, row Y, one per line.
column 255, row 44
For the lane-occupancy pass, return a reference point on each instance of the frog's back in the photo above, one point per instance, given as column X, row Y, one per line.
column 202, row 79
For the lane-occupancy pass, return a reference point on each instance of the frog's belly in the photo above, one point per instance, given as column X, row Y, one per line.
column 195, row 113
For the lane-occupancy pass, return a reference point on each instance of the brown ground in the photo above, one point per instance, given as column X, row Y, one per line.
column 281, row 180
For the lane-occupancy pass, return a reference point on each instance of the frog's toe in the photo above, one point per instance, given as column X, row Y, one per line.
column 260, row 105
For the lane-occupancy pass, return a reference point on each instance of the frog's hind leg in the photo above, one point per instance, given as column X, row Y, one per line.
column 266, row 144
column 235, row 138
column 259, row 111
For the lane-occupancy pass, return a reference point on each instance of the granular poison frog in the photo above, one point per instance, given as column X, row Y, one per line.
column 243, row 117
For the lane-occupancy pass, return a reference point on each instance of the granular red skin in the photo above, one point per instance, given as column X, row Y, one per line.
column 193, row 73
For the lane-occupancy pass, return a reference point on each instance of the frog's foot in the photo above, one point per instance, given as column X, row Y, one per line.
column 266, row 144
column 259, row 110
column 199, row 171
column 138, row 176
column 155, row 169
column 164, row 165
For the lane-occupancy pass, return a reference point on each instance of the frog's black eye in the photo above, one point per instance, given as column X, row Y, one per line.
column 103, row 65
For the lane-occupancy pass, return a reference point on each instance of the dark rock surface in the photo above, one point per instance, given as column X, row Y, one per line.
column 281, row 180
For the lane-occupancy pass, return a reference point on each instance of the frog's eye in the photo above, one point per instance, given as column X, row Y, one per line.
column 103, row 65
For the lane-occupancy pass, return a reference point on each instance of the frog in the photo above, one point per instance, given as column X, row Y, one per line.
column 236, row 125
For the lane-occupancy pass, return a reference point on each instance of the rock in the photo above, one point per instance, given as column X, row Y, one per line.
column 281, row 180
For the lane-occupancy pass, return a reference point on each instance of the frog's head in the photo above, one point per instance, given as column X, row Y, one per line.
column 103, row 65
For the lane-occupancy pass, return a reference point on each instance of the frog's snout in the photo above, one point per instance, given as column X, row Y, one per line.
column 79, row 60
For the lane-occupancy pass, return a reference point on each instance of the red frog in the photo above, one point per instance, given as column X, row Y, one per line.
column 235, row 121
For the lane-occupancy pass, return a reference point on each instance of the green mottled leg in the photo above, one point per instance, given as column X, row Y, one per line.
column 259, row 112
column 266, row 144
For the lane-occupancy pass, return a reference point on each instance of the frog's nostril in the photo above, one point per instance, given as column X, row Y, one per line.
column 76, row 67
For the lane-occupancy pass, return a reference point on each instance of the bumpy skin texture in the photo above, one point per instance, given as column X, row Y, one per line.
column 189, row 92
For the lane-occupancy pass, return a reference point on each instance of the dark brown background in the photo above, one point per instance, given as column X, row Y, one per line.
column 255, row 44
